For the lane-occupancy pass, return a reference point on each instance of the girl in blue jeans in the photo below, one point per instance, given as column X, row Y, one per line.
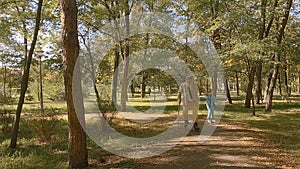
column 210, row 105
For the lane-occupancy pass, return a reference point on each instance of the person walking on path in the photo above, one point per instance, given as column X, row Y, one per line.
column 188, row 91
column 210, row 105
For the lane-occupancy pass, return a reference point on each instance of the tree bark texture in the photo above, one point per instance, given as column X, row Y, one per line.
column 78, row 157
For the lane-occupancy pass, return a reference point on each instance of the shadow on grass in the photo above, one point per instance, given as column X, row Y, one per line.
column 283, row 129
column 30, row 152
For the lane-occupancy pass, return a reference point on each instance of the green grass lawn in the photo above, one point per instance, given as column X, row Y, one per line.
column 43, row 140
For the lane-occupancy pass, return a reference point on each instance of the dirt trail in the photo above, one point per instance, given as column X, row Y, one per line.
column 232, row 146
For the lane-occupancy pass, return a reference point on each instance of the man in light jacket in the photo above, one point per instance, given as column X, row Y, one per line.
column 188, row 91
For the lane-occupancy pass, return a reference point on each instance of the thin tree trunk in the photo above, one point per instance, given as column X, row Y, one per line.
column 279, row 36
column 93, row 72
column 227, row 91
column 78, row 155
column 132, row 89
column 271, row 19
column 279, row 84
column 237, row 83
column 25, row 32
column 41, row 86
column 250, row 87
column 10, row 89
column 143, row 86
column 253, row 105
column 24, row 84
column 258, row 89
column 4, row 82
column 286, row 80
column 270, row 89
column 214, row 83
column 207, row 84
column 116, row 74
column 25, row 43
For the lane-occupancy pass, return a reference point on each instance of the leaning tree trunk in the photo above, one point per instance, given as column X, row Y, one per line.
column 24, row 83
column 279, row 36
column 272, row 82
column 227, row 91
column 78, row 155
column 250, row 87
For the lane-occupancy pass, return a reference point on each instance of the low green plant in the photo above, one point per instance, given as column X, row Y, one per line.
column 44, row 125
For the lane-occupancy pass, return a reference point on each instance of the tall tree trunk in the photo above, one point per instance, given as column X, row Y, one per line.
column 25, row 40
column 272, row 81
column 10, row 89
column 25, row 32
column 143, row 86
column 267, row 31
column 143, row 78
column 124, row 85
column 250, row 87
column 279, row 84
column 116, row 73
column 214, row 83
column 227, row 91
column 4, row 82
column 207, row 84
column 24, row 83
column 237, row 83
column 78, row 155
column 286, row 79
column 93, row 72
column 132, row 89
column 268, row 83
column 258, row 88
column 279, row 36
column 253, row 105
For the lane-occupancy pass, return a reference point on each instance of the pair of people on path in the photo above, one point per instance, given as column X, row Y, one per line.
column 188, row 91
